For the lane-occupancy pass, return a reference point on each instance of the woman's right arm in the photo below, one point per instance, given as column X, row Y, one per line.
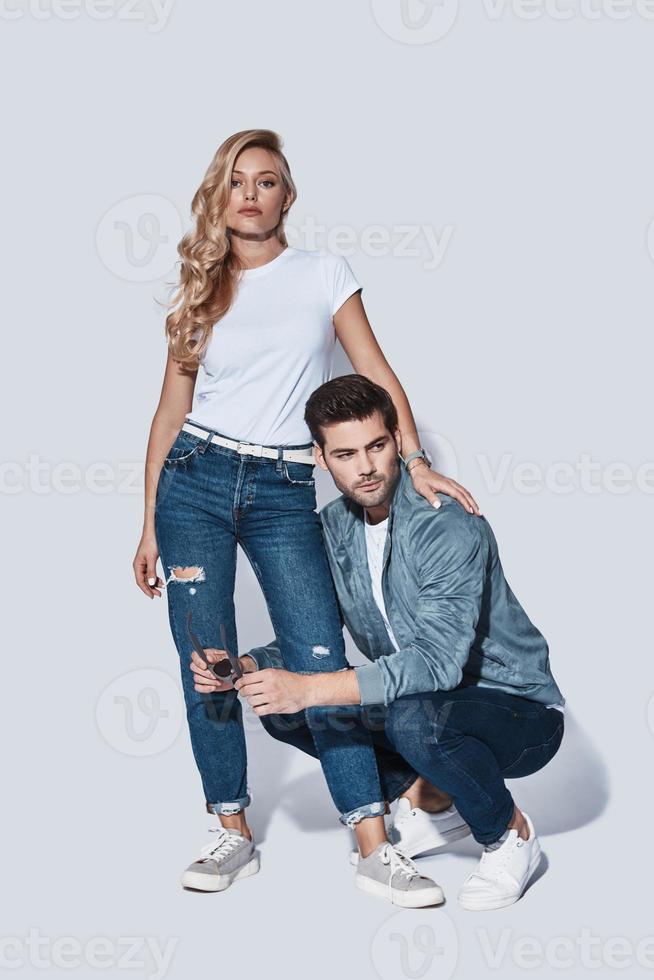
column 174, row 404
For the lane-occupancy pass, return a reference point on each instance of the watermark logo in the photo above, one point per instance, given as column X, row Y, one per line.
column 137, row 237
column 586, row 950
column 43, row 477
column 153, row 13
column 422, row 943
column 151, row 955
column 415, row 21
column 566, row 10
column 141, row 712
column 426, row 243
column 497, row 475
column 426, row 21
column 583, row 475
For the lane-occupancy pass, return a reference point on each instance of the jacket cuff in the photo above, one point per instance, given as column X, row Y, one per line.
column 266, row 656
column 371, row 683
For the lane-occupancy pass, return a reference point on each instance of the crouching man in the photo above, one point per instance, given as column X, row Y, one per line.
column 458, row 670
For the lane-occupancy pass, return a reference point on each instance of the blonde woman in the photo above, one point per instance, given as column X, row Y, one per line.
column 229, row 461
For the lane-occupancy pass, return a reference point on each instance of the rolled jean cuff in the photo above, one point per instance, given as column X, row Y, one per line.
column 369, row 810
column 227, row 809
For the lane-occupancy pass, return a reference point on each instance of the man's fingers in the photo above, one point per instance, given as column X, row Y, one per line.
column 206, row 676
column 257, row 700
column 213, row 656
column 251, row 689
column 203, row 687
column 205, row 680
column 208, row 684
column 251, row 677
column 198, row 665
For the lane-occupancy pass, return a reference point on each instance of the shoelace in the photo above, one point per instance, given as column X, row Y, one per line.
column 223, row 845
column 399, row 864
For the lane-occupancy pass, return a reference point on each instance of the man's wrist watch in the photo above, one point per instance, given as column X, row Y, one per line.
column 417, row 454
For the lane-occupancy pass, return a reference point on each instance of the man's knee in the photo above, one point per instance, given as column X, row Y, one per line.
column 283, row 727
column 417, row 718
column 339, row 719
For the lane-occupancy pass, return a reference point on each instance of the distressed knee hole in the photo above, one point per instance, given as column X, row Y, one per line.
column 194, row 573
column 319, row 651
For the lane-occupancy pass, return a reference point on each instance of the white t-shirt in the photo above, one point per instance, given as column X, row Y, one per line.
column 273, row 348
column 375, row 539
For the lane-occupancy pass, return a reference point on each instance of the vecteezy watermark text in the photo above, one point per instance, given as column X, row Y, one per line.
column 148, row 954
column 153, row 13
column 585, row 475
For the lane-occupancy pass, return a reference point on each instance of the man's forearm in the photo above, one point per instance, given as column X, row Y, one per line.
column 335, row 687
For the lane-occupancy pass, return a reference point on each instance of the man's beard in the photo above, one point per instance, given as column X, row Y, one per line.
column 373, row 498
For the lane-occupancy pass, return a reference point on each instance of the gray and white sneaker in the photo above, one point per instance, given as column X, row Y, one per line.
column 390, row 874
column 415, row 831
column 230, row 857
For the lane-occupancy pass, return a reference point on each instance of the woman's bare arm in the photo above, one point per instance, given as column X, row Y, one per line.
column 174, row 404
column 366, row 356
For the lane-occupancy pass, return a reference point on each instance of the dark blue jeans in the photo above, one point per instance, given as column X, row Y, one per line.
column 209, row 499
column 395, row 773
column 465, row 742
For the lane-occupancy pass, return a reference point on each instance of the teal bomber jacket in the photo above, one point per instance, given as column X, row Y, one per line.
column 451, row 610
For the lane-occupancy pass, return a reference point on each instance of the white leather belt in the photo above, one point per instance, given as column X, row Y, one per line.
column 251, row 449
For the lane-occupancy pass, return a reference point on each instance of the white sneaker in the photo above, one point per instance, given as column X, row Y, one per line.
column 415, row 831
column 502, row 875
column 224, row 860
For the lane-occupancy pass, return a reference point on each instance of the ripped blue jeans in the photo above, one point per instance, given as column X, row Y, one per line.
column 209, row 499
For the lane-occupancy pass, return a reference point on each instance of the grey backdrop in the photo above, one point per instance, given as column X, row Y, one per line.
column 488, row 173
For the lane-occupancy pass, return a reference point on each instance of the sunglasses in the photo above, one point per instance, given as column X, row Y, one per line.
column 229, row 669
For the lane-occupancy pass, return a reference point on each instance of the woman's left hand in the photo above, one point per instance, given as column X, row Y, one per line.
column 427, row 482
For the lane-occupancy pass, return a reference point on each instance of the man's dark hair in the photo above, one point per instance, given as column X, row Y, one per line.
column 352, row 396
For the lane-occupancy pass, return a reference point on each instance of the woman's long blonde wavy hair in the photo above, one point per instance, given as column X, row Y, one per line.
column 209, row 268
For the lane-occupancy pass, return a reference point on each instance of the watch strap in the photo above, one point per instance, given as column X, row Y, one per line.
column 417, row 454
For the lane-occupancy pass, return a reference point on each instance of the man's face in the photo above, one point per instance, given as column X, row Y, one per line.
column 362, row 459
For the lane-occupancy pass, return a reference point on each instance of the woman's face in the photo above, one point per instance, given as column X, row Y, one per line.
column 256, row 184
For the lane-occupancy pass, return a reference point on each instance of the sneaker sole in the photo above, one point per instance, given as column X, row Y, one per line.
column 489, row 905
column 426, row 844
column 218, row 883
column 406, row 900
